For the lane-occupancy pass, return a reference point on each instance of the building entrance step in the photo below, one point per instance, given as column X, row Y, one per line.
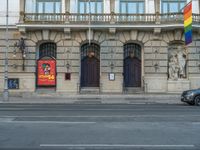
column 90, row 90
column 48, row 90
column 133, row 90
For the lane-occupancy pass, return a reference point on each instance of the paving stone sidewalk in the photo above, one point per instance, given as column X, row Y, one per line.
column 98, row 99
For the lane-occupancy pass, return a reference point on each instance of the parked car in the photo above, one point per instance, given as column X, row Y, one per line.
column 191, row 97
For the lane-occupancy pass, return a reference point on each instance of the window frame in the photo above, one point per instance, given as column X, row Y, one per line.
column 168, row 5
column 132, row 1
column 46, row 1
column 96, row 6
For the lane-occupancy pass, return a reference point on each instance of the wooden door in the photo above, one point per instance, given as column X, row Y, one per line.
column 132, row 72
column 90, row 72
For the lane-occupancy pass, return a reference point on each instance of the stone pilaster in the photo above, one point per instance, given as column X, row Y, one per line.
column 22, row 5
column 157, row 5
column 199, row 6
column 67, row 5
column 112, row 5
column 22, row 10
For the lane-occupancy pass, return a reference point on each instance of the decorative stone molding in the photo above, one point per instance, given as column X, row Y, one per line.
column 112, row 32
column 178, row 34
column 45, row 34
column 134, row 34
column 157, row 30
column 22, row 30
column 90, row 34
column 67, row 33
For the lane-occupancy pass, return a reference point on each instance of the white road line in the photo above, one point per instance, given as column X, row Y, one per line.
column 113, row 116
column 196, row 123
column 48, row 122
column 116, row 145
column 24, row 108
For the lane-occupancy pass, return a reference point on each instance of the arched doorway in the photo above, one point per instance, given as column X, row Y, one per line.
column 46, row 65
column 90, row 65
column 132, row 65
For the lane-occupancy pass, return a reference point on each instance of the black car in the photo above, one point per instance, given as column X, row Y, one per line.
column 191, row 97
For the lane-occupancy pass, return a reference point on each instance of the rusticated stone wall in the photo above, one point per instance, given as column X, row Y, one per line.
column 154, row 58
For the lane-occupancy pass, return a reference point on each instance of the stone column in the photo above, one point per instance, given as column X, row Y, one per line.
column 112, row 5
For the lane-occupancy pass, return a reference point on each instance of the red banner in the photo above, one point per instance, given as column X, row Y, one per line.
column 46, row 73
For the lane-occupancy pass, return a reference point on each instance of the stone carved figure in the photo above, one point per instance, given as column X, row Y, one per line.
column 181, row 56
column 177, row 64
column 173, row 68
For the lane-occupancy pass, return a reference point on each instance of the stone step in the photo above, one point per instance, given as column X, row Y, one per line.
column 89, row 90
column 48, row 90
column 133, row 90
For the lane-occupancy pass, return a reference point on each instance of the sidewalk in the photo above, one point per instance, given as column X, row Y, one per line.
column 98, row 99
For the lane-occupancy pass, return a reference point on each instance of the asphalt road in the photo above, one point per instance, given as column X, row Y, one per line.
column 99, row 127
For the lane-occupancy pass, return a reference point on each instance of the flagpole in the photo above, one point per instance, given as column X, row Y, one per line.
column 89, row 22
column 184, row 6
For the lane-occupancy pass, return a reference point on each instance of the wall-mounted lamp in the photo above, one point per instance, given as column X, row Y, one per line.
column 20, row 45
column 68, row 66
column 156, row 66
column 112, row 66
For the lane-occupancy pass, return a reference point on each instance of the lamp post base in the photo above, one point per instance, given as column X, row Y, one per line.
column 5, row 95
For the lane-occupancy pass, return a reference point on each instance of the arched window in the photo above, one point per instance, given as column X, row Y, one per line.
column 132, row 65
column 47, row 50
column 132, row 50
column 87, row 50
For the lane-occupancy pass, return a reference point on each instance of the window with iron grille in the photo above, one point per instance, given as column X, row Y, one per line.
column 86, row 49
column 47, row 50
column 132, row 49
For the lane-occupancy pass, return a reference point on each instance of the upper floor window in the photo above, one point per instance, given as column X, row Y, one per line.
column 43, row 6
column 170, row 6
column 94, row 6
column 132, row 6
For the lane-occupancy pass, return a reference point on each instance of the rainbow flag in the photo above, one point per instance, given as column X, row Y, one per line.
column 188, row 23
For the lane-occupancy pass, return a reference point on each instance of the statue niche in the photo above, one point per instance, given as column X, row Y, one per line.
column 177, row 63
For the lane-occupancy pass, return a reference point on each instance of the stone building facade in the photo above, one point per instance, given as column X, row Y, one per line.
column 111, row 52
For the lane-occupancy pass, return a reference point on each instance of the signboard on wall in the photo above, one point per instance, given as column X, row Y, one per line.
column 13, row 83
column 46, row 74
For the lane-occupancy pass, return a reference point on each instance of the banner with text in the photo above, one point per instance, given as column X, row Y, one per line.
column 46, row 72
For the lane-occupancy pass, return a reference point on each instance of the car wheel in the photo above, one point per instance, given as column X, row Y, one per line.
column 197, row 100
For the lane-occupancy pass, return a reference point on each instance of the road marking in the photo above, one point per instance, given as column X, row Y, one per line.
column 113, row 116
column 48, row 122
column 196, row 123
column 116, row 145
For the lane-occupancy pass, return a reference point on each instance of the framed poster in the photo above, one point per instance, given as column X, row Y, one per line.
column 67, row 76
column 13, row 83
column 46, row 72
column 111, row 76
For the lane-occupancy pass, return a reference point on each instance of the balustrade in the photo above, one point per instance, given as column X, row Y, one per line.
column 76, row 18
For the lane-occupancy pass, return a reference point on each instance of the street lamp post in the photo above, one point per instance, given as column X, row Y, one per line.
column 5, row 93
column 89, row 22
